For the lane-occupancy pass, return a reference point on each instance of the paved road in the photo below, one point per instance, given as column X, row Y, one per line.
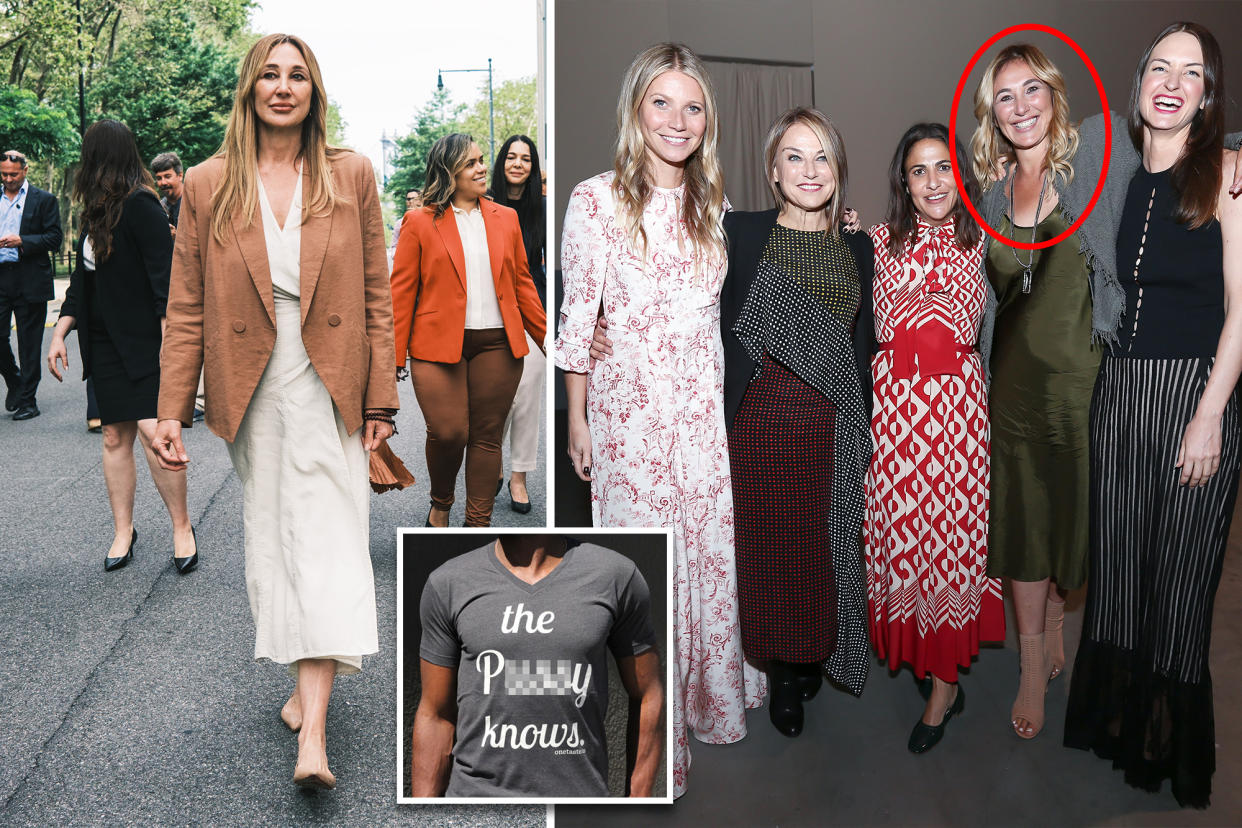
column 132, row 698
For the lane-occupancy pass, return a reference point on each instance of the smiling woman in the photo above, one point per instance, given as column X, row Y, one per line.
column 796, row 327
column 515, row 183
column 465, row 347
column 294, row 336
column 1165, row 434
column 1043, row 357
column 644, row 244
column 931, row 604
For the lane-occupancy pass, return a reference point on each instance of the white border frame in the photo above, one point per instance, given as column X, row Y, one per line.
column 669, row 655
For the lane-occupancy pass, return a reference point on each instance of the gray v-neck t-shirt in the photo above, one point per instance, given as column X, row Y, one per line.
column 532, row 679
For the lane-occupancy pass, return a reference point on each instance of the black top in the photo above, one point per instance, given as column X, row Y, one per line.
column 173, row 208
column 129, row 288
column 1175, row 288
column 533, row 238
column 747, row 235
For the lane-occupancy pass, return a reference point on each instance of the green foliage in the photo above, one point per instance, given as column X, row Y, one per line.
column 41, row 132
column 437, row 118
column 336, row 124
column 165, row 67
column 170, row 87
column 515, row 113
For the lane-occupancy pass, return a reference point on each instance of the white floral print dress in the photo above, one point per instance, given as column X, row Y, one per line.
column 659, row 456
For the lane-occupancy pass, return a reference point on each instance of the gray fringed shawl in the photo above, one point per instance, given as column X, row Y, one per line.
column 1097, row 237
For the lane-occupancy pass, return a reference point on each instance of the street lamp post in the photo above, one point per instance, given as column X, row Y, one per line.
column 389, row 149
column 491, row 103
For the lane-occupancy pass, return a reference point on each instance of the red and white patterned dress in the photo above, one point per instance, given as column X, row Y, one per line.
column 659, row 455
column 927, row 489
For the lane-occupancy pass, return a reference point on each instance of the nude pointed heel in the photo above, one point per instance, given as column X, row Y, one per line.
column 1032, row 686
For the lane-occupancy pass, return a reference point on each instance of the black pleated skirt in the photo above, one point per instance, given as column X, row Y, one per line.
column 1141, row 693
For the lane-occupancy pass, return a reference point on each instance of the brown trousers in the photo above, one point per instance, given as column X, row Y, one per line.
column 465, row 404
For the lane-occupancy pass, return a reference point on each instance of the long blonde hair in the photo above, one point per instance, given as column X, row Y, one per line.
column 703, row 204
column 989, row 144
column 238, row 191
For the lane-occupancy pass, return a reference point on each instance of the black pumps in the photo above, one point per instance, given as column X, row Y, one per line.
column 429, row 523
column 118, row 562
column 924, row 736
column 186, row 565
column 522, row 507
column 183, row 565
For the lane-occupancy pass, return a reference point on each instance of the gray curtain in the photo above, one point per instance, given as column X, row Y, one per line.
column 751, row 95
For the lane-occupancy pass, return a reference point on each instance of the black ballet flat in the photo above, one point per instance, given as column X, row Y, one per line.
column 519, row 506
column 924, row 736
column 186, row 565
column 120, row 561
column 785, row 704
column 500, row 484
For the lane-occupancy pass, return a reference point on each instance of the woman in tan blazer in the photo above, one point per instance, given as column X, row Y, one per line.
column 279, row 290
column 462, row 299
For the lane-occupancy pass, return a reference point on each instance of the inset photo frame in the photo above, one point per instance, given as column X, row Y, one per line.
column 534, row 666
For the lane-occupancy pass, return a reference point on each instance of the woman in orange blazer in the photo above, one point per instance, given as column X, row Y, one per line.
column 279, row 290
column 462, row 295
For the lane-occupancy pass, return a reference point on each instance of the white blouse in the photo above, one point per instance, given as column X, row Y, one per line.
column 284, row 245
column 482, row 309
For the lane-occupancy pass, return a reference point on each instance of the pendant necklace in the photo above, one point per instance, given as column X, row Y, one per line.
column 1027, row 265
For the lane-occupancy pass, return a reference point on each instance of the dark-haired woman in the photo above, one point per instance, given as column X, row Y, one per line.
column 116, row 300
column 462, row 299
column 927, row 486
column 513, row 176
column 1165, row 434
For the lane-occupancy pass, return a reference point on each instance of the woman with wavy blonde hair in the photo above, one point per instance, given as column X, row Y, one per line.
column 280, row 293
column 989, row 143
column 1044, row 352
column 643, row 244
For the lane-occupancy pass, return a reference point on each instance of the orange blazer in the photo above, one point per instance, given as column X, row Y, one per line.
column 429, row 284
column 221, row 314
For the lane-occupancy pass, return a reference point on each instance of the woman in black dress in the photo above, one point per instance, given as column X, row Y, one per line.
column 116, row 300
column 1165, row 434
column 796, row 325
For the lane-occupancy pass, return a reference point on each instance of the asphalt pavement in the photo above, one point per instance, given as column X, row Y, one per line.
column 132, row 697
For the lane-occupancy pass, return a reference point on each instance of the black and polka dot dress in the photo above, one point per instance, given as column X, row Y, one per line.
column 798, row 447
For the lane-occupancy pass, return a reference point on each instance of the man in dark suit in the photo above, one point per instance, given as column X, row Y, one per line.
column 29, row 231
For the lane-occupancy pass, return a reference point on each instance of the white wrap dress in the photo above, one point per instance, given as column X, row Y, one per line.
column 305, row 492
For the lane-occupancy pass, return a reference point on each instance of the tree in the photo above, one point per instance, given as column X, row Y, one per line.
column 336, row 124
column 437, row 118
column 41, row 132
column 171, row 88
column 515, row 112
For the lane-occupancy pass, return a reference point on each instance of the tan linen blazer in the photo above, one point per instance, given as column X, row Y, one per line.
column 221, row 317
